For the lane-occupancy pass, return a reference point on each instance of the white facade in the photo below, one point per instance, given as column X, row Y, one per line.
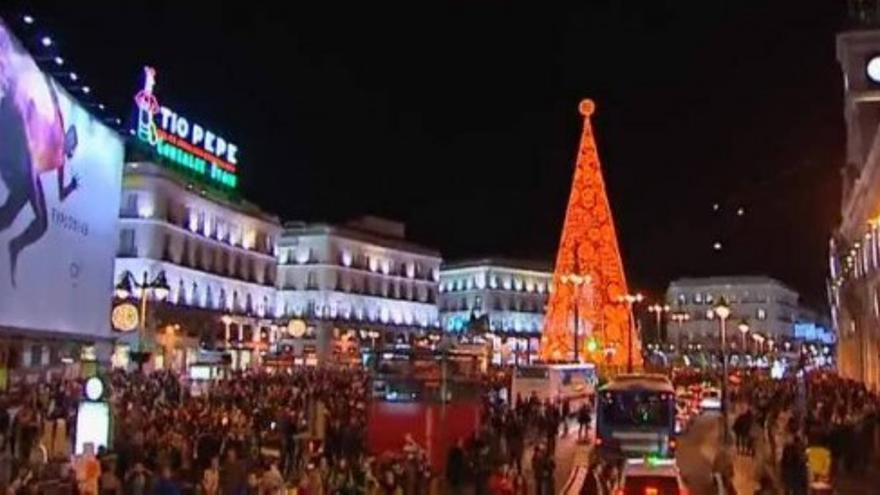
column 361, row 275
column 513, row 294
column 854, row 268
column 768, row 306
column 218, row 255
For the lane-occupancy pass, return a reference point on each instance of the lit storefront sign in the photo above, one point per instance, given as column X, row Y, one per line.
column 187, row 144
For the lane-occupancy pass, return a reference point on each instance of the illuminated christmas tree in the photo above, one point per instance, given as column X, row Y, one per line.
column 589, row 286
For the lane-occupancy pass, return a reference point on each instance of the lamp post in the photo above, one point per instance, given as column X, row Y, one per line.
column 722, row 310
column 743, row 328
column 576, row 281
column 630, row 300
column 659, row 310
column 128, row 287
column 759, row 339
column 680, row 317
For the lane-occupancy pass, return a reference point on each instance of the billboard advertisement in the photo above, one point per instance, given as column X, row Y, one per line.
column 60, row 185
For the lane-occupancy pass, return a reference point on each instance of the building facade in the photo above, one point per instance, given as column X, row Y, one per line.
column 509, row 295
column 217, row 255
column 769, row 307
column 353, row 286
column 854, row 277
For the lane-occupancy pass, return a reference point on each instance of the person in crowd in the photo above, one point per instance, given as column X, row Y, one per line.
column 583, row 419
column 501, row 482
column 456, row 468
column 211, row 478
column 794, row 468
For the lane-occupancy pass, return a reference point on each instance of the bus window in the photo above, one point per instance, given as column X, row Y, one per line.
column 638, row 409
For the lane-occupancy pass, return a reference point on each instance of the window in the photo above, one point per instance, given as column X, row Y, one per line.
column 709, row 299
column 130, row 207
column 682, row 299
column 698, row 298
column 127, row 248
column 36, row 355
column 762, row 314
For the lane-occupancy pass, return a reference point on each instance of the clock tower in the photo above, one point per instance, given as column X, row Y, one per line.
column 858, row 52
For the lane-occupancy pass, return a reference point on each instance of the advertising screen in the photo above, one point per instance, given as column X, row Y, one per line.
column 92, row 425
column 60, row 180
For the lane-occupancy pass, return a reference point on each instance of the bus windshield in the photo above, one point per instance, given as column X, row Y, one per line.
column 636, row 409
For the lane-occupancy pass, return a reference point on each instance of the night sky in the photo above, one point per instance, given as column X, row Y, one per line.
column 461, row 120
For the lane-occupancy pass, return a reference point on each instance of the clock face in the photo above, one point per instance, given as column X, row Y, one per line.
column 125, row 317
column 94, row 388
column 873, row 69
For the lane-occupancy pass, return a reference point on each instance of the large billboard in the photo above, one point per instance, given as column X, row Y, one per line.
column 60, row 181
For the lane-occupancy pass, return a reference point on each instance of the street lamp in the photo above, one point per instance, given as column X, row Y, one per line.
column 630, row 300
column 757, row 337
column 680, row 317
column 722, row 311
column 128, row 287
column 576, row 281
column 743, row 330
column 659, row 310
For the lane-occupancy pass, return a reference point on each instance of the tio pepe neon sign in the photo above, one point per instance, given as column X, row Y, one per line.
column 189, row 145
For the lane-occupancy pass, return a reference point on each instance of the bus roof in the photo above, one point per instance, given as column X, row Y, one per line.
column 655, row 382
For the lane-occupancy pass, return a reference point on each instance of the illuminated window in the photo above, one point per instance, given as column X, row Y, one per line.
column 762, row 314
column 698, row 298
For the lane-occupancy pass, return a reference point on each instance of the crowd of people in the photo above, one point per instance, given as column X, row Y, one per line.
column 252, row 433
column 493, row 460
column 805, row 429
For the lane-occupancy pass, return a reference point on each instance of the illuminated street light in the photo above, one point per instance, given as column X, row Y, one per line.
column 659, row 310
column 27, row 19
column 576, row 281
column 722, row 310
column 158, row 289
column 58, row 61
column 744, row 329
column 630, row 300
column 46, row 41
column 680, row 317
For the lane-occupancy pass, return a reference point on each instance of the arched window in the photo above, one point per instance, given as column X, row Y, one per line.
column 209, row 298
column 249, row 307
column 222, row 301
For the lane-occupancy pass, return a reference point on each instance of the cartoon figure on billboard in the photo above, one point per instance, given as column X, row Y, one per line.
column 35, row 143
column 148, row 106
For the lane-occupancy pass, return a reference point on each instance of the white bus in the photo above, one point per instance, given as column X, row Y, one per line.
column 573, row 382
